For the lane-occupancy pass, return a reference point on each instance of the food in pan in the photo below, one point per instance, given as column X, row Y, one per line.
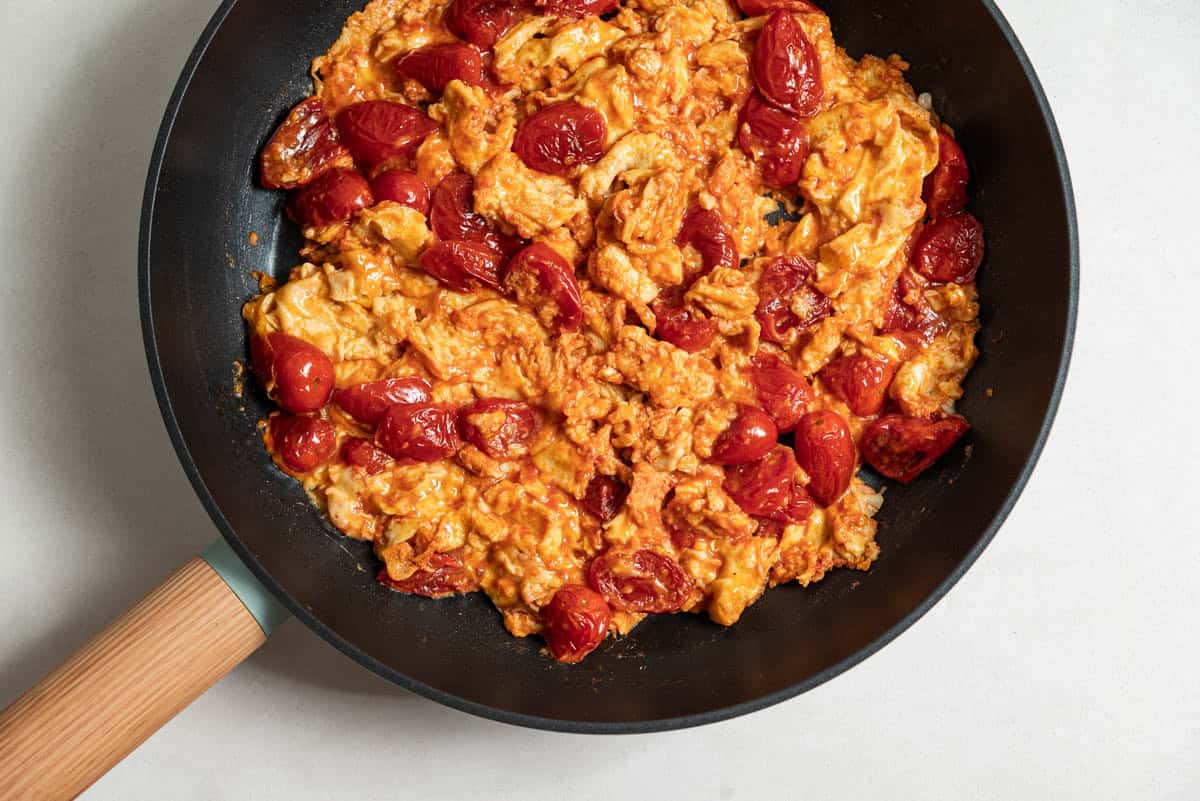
column 604, row 304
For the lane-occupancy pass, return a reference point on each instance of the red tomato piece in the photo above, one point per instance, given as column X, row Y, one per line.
column 825, row 449
column 418, row 432
column 303, row 442
column 463, row 266
column 706, row 232
column 604, row 496
column 575, row 622
column 437, row 65
column 782, row 289
column 798, row 508
column 579, row 8
column 367, row 402
column 499, row 427
column 763, row 487
column 756, row 8
column 444, row 576
column 783, row 393
column 903, row 318
column 945, row 189
column 482, row 22
column 452, row 213
column 378, row 130
column 361, row 453
column 332, row 196
column 749, row 437
column 302, row 147
column 543, row 280
column 295, row 373
column 902, row 448
column 682, row 325
column 776, row 140
column 639, row 581
column 403, row 187
column 950, row 250
column 861, row 381
column 785, row 66
column 561, row 137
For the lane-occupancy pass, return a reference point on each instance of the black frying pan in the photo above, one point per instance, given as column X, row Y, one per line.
column 202, row 200
column 195, row 265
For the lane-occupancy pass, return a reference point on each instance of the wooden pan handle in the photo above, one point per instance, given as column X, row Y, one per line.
column 103, row 702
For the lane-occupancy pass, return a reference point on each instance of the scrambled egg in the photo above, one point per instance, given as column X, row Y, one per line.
column 669, row 80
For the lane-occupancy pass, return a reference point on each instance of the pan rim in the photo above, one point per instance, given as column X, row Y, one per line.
column 145, row 305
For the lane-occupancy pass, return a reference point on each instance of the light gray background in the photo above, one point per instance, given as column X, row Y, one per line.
column 1063, row 666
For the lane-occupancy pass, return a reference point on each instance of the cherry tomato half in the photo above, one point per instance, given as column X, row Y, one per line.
column 681, row 324
column 639, row 581
column 463, row 266
column 783, row 393
column 361, row 453
column 783, row 289
column 403, row 187
column 604, row 497
column 945, row 190
column 368, row 402
column 499, row 427
column 575, row 622
column 378, row 130
column 950, row 250
column 418, row 432
column 333, row 196
column 561, row 137
column 303, row 442
column 902, row 448
column 437, row 65
column 482, row 22
column 543, row 280
column 302, row 147
column 444, row 576
column 776, row 140
column 704, row 230
column 825, row 449
column 763, row 487
column 785, row 66
column 749, row 437
column 861, row 381
column 295, row 373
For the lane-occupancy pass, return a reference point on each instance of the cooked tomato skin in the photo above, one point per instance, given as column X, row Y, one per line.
column 704, row 230
column 303, row 442
column 376, row 131
column 302, row 147
column 482, row 22
column 945, row 190
column 418, row 432
column 296, row 374
column 363, row 454
column 950, row 250
column 639, row 581
column 561, row 137
column 538, row 275
column 825, row 449
column 861, row 381
column 368, row 402
column 783, row 393
column 681, row 323
column 785, row 66
column 436, row 65
column 403, row 187
column 333, row 196
column 901, row 448
column 463, row 266
column 784, row 279
column 509, row 439
column 776, row 140
column 749, row 437
column 762, row 487
column 574, row 622
column 604, row 497
column 444, row 576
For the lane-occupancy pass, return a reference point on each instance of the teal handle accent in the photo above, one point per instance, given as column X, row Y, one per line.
column 254, row 596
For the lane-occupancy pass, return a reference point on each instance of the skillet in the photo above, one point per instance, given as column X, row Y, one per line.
column 195, row 261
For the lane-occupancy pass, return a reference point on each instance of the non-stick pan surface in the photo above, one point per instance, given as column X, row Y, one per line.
column 202, row 202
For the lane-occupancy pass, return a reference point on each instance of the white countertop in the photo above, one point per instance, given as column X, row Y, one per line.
column 1063, row 666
